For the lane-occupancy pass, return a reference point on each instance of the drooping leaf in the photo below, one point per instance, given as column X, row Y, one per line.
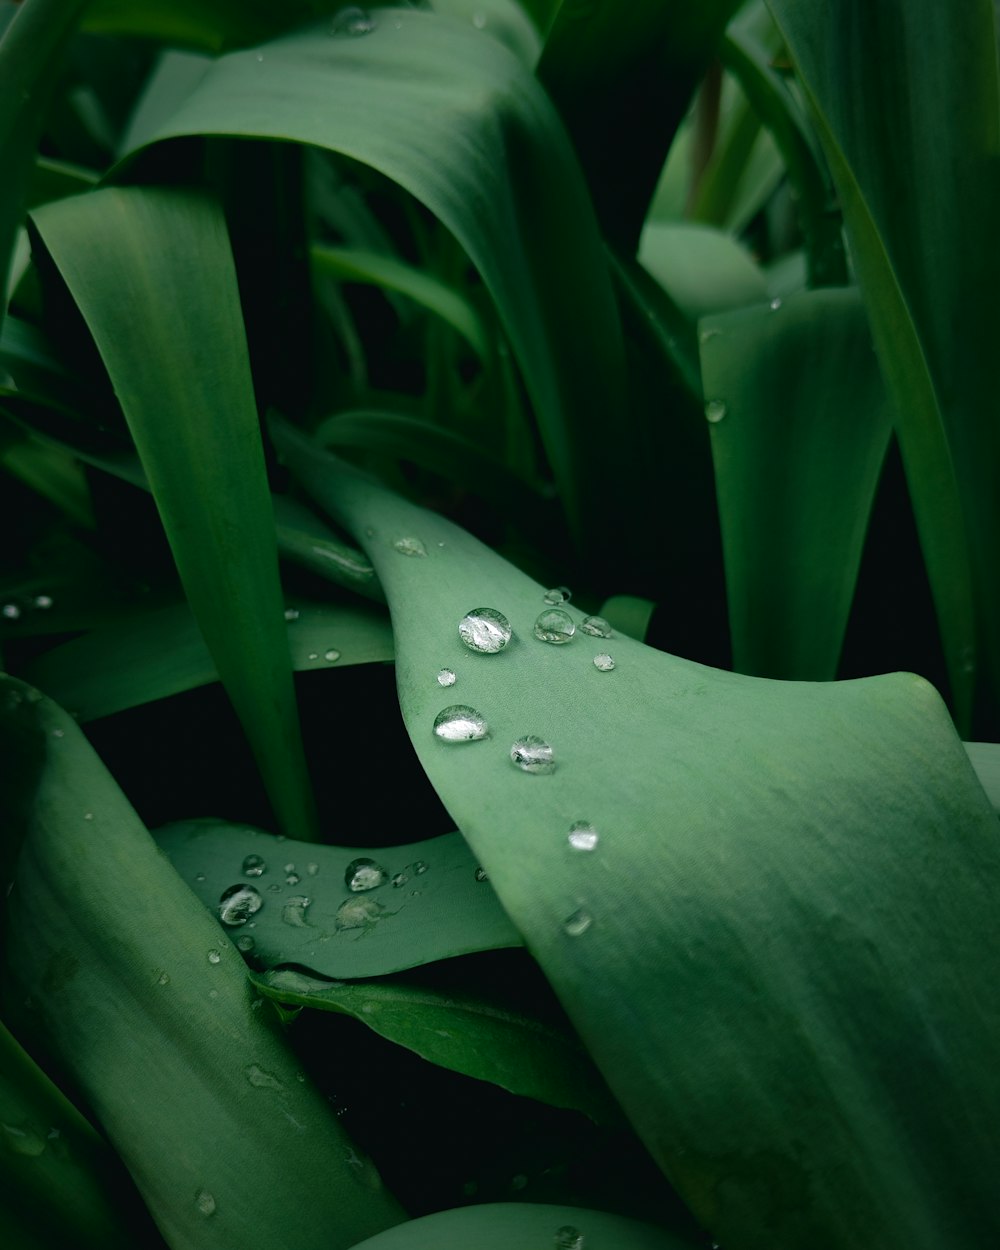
column 152, row 273
column 800, row 426
column 114, row 967
column 429, row 905
column 781, row 952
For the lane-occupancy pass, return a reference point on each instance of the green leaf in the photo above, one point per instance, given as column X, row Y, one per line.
column 151, row 655
column 985, row 759
column 476, row 1034
column 152, row 273
column 518, row 1226
column 702, row 269
column 800, row 426
column 430, row 905
column 457, row 120
column 907, row 105
column 113, row 965
column 782, row 952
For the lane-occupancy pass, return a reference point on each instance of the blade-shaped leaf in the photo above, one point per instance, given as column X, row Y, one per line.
column 152, row 273
column 781, row 951
column 429, row 905
column 113, row 964
column 800, row 425
column 702, row 270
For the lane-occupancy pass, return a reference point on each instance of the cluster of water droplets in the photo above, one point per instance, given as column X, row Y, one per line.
column 12, row 611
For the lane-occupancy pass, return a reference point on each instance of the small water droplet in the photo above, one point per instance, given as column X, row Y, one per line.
column 364, row 874
column 596, row 627
column 557, row 595
column 275, row 888
column 604, row 662
column 199, row 876
column 568, row 1238
column 42, row 601
column 254, row 866
column 88, row 815
column 709, row 334
column 163, row 979
column 578, row 923
column 358, row 913
column 260, row 58
column 446, row 677
column 238, row 904
column 214, row 957
column 533, row 755
column 331, row 656
column 313, row 655
column 482, row 874
column 293, row 878
column 289, row 867
column 582, row 836
column 460, row 723
column 204, row 1201
column 715, row 410
column 11, row 611
column 291, row 614
column 312, row 869
column 400, row 879
column 245, row 942
column 555, row 626
column 775, row 304
column 410, row 547
column 479, row 21
column 294, row 911
column 58, row 733
column 213, row 993
column 260, row 1078
column 420, row 867
column 352, row 21
column 485, row 630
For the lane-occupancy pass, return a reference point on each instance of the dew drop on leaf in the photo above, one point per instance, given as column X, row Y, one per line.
column 533, row 755
column 582, row 836
column 352, row 21
column 557, row 595
column 358, row 913
column 568, row 1238
column 410, row 547
column 245, row 943
column 578, row 923
column 260, row 1078
column 204, row 1201
column 291, row 614
column 294, row 911
column 554, row 626
column 485, row 630
column 596, row 627
column 254, row 866
column 460, row 723
column 482, row 874
column 604, row 662
column 364, row 874
column 238, row 904
column 42, row 601
column 214, row 957
column 715, row 410
column 331, row 656
column 446, row 677
column 11, row 611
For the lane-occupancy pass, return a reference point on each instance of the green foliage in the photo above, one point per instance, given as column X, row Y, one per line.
column 326, row 326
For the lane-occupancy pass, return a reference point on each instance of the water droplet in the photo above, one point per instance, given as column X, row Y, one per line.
column 289, row 867
column 596, row 627
column 460, row 723
column 604, row 662
column 275, row 888
column 254, row 866
column 352, row 21
column 11, row 611
column 709, row 334
column 479, row 21
column 294, row 911
column 291, row 614
column 88, row 815
column 22, row 1139
column 485, row 630
column 204, row 1201
column 578, row 923
column 238, row 904
column 213, row 993
column 42, row 601
column 582, row 835
column 293, row 878
column 482, row 874
column 260, row 58
column 568, row 1238
column 420, row 867
column 554, row 625
column 312, row 869
column 260, row 1078
column 410, row 547
column 214, row 957
column 313, row 655
column 364, row 874
column 358, row 913
column 446, row 677
column 245, row 942
column 715, row 410
column 400, row 879
column 199, row 876
column 775, row 304
column 163, row 979
column 557, row 595
column 331, row 656
column 533, row 755
column 58, row 733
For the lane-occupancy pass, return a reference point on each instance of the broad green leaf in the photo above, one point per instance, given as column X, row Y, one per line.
column 472, row 1033
column 523, row 1226
column 457, row 120
column 906, row 102
column 430, row 905
column 114, row 966
column 702, row 269
column 800, row 426
column 152, row 274
column 151, row 655
column 782, row 951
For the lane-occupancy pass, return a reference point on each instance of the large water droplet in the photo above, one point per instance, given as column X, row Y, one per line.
column 578, row 923
column 604, row 662
column 715, row 410
column 358, row 913
column 260, row 1078
column 254, row 866
column 238, row 904
column 364, row 874
column 485, row 630
column 554, row 625
column 331, row 656
column 568, row 1238
column 214, row 957
column 533, row 755
column 204, row 1201
column 446, row 677
column 582, row 836
column 11, row 611
column 352, row 21
column 410, row 547
column 557, row 595
column 596, row 627
column 294, row 911
column 460, row 723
